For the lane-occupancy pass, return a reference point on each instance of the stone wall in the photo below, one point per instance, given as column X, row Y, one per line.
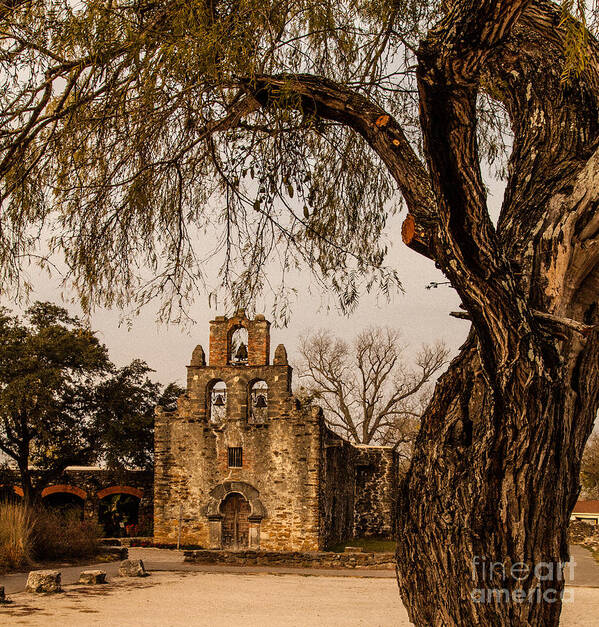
column 336, row 489
column 379, row 561
column 297, row 478
column 584, row 533
column 281, row 458
column 376, row 484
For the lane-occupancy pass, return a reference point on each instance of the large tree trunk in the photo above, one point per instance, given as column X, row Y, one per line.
column 484, row 509
column 29, row 494
column 493, row 486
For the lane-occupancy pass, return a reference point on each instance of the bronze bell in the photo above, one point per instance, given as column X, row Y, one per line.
column 260, row 401
column 219, row 401
column 242, row 353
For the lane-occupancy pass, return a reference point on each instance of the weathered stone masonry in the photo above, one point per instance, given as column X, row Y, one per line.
column 241, row 463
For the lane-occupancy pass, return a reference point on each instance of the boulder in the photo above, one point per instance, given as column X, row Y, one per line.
column 43, row 581
column 132, row 568
column 92, row 577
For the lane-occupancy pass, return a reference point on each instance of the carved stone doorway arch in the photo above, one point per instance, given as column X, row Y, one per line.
column 234, row 513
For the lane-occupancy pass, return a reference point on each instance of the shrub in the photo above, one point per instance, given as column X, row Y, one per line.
column 43, row 534
column 59, row 535
column 16, row 530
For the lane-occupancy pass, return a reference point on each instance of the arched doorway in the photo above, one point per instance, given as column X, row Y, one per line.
column 119, row 515
column 217, row 509
column 65, row 500
column 118, row 511
column 235, row 510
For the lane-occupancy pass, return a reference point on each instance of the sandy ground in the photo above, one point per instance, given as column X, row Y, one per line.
column 191, row 598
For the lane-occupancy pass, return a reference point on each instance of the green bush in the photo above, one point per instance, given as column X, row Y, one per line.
column 59, row 535
column 16, row 531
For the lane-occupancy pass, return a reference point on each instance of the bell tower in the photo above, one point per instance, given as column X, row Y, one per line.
column 239, row 341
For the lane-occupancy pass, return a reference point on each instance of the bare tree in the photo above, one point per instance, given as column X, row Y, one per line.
column 367, row 390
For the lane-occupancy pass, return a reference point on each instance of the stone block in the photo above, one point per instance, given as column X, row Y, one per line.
column 119, row 552
column 42, row 581
column 92, row 577
column 132, row 568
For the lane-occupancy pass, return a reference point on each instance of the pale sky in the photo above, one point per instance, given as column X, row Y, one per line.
column 421, row 315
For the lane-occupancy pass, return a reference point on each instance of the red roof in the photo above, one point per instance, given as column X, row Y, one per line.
column 586, row 507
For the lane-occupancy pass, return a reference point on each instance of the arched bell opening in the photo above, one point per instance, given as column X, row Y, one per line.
column 238, row 346
column 258, row 402
column 217, row 401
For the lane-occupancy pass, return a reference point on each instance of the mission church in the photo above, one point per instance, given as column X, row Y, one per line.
column 242, row 463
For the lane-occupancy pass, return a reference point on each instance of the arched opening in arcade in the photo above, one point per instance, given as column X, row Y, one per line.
column 64, row 500
column 119, row 512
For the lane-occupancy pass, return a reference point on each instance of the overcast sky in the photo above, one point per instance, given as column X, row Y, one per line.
column 421, row 315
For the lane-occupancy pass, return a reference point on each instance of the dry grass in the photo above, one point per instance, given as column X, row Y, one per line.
column 43, row 535
column 16, row 531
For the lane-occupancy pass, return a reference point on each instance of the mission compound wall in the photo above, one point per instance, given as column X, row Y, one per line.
column 242, row 463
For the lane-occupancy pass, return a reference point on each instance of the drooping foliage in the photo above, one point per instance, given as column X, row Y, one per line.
column 134, row 141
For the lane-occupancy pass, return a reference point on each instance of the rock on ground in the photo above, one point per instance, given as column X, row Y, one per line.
column 43, row 581
column 132, row 568
column 92, row 577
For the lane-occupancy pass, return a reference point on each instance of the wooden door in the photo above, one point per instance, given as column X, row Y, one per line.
column 235, row 526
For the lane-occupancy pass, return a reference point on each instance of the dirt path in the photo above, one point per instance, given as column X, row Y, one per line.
column 215, row 599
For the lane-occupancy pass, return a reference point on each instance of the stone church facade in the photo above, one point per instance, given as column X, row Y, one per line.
column 241, row 463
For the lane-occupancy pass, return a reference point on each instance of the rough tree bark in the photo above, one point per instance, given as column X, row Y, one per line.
column 495, row 470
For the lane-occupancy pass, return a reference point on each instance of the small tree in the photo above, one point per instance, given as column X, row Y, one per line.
column 368, row 392
column 589, row 472
column 124, row 415
column 49, row 364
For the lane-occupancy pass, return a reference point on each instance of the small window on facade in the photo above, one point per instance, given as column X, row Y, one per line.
column 235, row 457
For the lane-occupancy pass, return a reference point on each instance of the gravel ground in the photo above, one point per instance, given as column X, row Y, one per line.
column 170, row 599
